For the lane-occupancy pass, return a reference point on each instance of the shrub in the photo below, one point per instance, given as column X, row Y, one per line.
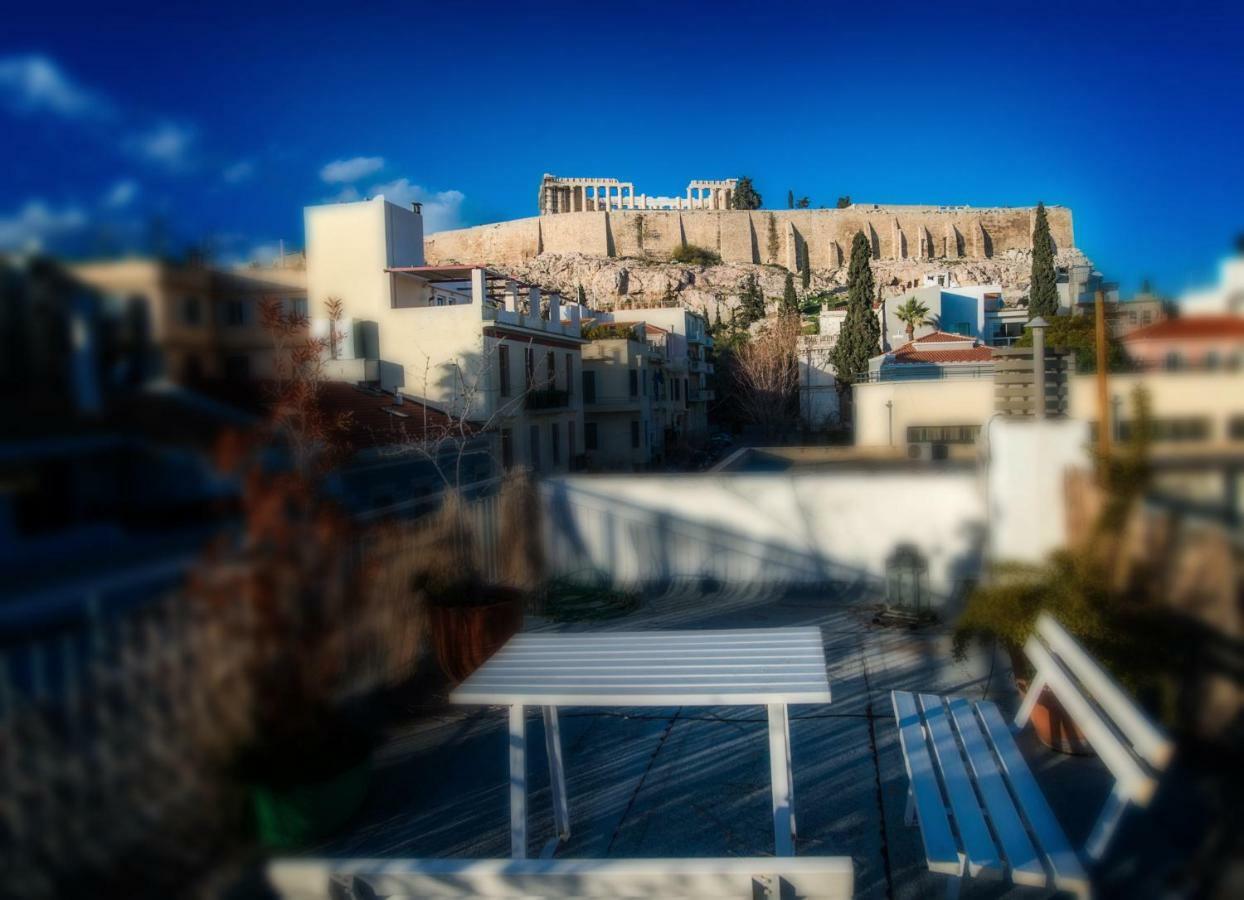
column 607, row 331
column 690, row 254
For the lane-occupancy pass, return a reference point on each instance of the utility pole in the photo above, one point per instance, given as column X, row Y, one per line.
column 1103, row 386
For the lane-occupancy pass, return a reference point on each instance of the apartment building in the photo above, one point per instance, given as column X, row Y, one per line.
column 203, row 321
column 628, row 396
column 687, row 344
column 466, row 340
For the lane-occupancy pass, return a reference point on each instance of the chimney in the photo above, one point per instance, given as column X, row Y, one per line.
column 555, row 308
column 533, row 301
column 417, row 207
column 511, row 295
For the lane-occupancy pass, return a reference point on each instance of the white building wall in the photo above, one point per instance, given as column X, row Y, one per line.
column 765, row 529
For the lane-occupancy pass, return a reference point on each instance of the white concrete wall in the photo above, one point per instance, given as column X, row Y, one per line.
column 772, row 529
column 967, row 401
column 1027, row 468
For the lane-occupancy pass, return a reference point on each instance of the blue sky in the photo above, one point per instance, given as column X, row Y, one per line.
column 223, row 121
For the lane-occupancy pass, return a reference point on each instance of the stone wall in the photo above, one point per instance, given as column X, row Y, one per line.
column 762, row 236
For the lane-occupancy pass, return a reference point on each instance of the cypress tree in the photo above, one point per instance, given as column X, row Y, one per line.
column 1043, row 294
column 745, row 195
column 861, row 332
column 790, row 199
column 790, row 300
column 751, row 301
column 805, row 275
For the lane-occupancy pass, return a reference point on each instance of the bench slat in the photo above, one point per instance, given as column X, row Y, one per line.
column 830, row 878
column 978, row 845
column 940, row 847
column 1134, row 782
column 1068, row 873
column 1021, row 856
column 1147, row 740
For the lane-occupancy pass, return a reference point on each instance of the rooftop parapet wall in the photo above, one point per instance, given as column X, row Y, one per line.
column 778, row 236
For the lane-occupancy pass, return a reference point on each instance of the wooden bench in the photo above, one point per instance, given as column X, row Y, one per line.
column 823, row 878
column 980, row 810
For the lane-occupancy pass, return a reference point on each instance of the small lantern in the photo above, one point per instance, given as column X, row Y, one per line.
column 907, row 579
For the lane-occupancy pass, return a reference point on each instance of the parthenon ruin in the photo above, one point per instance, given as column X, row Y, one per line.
column 562, row 195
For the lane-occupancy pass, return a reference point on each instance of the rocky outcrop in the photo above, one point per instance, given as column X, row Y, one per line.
column 638, row 282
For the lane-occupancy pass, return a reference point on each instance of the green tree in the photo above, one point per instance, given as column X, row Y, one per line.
column 913, row 314
column 860, row 337
column 803, row 203
column 745, row 195
column 579, row 295
column 790, row 199
column 790, row 300
column 751, row 302
column 1043, row 294
column 1078, row 334
column 805, row 273
column 844, row 202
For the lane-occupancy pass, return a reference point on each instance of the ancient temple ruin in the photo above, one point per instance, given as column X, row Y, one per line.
column 560, row 195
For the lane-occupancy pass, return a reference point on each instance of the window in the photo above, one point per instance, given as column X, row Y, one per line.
column 685, row 394
column 1212, row 360
column 635, row 433
column 235, row 313
column 530, row 368
column 298, row 307
column 674, row 384
column 634, row 382
column 569, row 375
column 535, row 446
column 1176, row 430
column 1235, row 428
column 942, row 434
column 555, row 443
column 589, row 387
column 1174, row 360
column 237, row 367
column 503, row 363
column 507, row 447
column 550, row 369
column 589, row 435
column 645, row 392
column 191, row 311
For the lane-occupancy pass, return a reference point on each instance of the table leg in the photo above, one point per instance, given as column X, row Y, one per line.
column 557, row 772
column 779, row 775
column 518, row 783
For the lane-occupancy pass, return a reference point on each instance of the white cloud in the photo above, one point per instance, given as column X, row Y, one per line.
column 167, row 144
column 347, row 194
column 31, row 227
column 442, row 210
column 343, row 171
column 121, row 194
column 238, row 172
column 33, row 83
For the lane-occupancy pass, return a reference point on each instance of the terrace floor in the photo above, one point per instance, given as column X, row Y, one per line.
column 695, row 781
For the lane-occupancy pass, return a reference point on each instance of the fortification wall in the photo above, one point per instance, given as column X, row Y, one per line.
column 780, row 236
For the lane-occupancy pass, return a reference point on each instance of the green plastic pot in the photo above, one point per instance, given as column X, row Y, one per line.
column 291, row 817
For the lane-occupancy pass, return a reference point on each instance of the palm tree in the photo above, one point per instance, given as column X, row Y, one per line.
column 913, row 314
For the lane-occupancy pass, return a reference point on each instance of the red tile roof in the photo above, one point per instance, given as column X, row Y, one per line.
column 1190, row 328
column 911, row 353
column 942, row 337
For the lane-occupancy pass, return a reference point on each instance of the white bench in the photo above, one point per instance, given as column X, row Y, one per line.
column 823, row 878
column 980, row 810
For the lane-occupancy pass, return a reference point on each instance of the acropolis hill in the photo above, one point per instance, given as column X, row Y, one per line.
column 618, row 246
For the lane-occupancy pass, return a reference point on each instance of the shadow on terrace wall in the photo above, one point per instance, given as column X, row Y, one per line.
column 595, row 532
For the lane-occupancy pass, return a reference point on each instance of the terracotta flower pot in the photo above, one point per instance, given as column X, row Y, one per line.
column 466, row 636
column 1054, row 727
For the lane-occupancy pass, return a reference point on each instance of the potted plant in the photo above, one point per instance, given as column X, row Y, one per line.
column 1082, row 588
column 292, row 579
column 469, row 619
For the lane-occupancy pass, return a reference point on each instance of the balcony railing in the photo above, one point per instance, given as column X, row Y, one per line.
column 547, row 398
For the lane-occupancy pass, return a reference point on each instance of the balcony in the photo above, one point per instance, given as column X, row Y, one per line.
column 702, row 395
column 696, row 365
column 546, row 400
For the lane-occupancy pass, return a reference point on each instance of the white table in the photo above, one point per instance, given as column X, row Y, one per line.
column 771, row 667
